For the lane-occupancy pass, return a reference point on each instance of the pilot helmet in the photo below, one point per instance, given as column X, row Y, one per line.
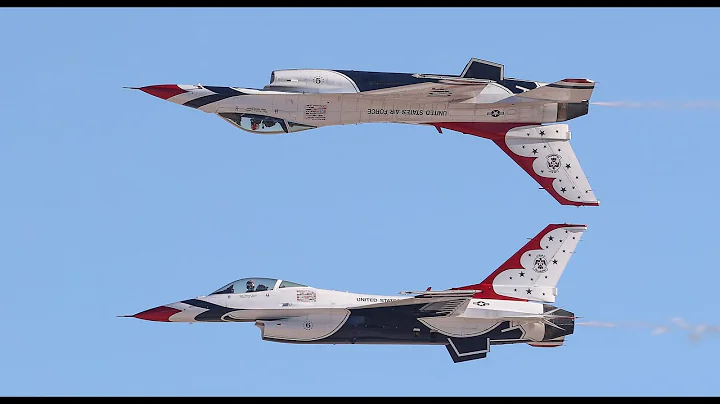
column 250, row 284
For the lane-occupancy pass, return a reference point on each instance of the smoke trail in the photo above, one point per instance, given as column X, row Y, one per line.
column 659, row 330
column 680, row 323
column 694, row 332
column 596, row 324
column 659, row 104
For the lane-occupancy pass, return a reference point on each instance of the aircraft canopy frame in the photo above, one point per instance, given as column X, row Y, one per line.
column 256, row 284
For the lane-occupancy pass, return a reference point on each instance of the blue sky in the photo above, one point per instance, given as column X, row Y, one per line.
column 114, row 201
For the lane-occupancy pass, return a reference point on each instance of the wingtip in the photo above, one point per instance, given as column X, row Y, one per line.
column 131, row 88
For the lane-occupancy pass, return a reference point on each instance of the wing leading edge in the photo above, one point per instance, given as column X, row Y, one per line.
column 447, row 90
column 428, row 305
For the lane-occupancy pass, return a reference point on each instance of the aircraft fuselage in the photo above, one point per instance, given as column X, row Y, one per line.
column 311, row 315
column 318, row 110
column 522, row 117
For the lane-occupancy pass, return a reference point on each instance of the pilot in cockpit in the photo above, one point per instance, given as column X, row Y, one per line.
column 250, row 285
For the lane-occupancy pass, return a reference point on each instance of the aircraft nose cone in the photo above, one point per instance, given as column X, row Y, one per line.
column 163, row 91
column 160, row 313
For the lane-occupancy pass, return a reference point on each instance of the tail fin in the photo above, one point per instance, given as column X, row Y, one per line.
column 565, row 90
column 533, row 272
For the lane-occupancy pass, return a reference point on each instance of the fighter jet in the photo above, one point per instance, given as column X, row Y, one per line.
column 481, row 101
column 510, row 306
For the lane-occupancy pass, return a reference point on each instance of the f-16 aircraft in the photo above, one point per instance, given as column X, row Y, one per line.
column 481, row 101
column 510, row 306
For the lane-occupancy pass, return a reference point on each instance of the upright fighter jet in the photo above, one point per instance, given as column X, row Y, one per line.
column 510, row 306
column 481, row 101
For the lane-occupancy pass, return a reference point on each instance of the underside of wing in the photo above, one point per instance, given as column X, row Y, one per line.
column 443, row 91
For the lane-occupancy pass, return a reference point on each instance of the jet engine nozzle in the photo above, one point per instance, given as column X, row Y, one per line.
column 569, row 110
column 558, row 323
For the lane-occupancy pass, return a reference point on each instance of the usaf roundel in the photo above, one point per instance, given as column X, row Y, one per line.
column 553, row 162
column 540, row 264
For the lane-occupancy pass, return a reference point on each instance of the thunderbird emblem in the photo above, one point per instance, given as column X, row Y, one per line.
column 540, row 264
column 553, row 162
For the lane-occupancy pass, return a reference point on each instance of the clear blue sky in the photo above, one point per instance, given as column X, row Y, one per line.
column 114, row 201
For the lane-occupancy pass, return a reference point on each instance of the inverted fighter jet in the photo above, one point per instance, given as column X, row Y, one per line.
column 481, row 101
column 510, row 306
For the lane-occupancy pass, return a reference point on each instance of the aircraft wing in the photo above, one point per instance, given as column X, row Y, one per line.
column 426, row 305
column 445, row 90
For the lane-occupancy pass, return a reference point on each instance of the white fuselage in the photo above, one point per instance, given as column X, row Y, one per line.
column 355, row 108
column 289, row 301
column 283, row 312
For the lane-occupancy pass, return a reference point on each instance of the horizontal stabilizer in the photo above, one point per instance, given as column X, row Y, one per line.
column 566, row 90
column 548, row 344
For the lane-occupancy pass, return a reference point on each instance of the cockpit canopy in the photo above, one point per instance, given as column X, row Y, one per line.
column 248, row 285
column 262, row 124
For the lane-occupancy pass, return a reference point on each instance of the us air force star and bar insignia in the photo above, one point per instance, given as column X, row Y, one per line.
column 495, row 113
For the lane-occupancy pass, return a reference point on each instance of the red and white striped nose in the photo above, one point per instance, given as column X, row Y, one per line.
column 163, row 91
column 160, row 313
column 177, row 312
column 183, row 94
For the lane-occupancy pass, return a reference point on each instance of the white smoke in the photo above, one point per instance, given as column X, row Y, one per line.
column 659, row 104
column 596, row 324
column 680, row 323
column 695, row 332
column 659, row 330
